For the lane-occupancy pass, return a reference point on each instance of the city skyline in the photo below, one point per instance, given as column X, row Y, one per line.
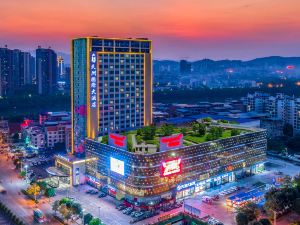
column 190, row 30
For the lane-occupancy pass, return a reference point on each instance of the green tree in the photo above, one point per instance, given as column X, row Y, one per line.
column 55, row 206
column 287, row 181
column 235, row 132
column 76, row 208
column 43, row 185
column 95, row 221
column 296, row 181
column 23, row 174
column 184, row 130
column 50, row 192
column 265, row 221
column 104, row 139
column 241, row 219
column 207, row 120
column 87, row 218
column 201, row 129
column 167, row 130
column 216, row 132
column 251, row 210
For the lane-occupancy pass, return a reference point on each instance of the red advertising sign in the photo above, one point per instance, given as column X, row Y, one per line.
column 117, row 140
column 171, row 167
column 170, row 142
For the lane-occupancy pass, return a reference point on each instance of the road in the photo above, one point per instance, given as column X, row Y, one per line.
column 18, row 203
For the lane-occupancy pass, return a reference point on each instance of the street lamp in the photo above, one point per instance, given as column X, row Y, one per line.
column 26, row 167
column 99, row 211
column 82, row 216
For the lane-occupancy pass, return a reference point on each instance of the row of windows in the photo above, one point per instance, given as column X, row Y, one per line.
column 120, row 43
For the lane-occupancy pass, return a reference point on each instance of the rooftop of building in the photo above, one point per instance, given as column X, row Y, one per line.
column 193, row 133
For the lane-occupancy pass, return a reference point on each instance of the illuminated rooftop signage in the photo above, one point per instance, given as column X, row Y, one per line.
column 93, row 80
column 171, row 167
column 116, row 140
column 171, row 142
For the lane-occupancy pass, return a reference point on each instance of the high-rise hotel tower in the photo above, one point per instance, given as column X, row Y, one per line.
column 111, row 86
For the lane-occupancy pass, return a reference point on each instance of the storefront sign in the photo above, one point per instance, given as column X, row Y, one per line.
column 93, row 80
column 171, row 167
column 186, row 185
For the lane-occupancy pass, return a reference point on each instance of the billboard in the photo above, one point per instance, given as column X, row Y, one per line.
column 93, row 80
column 171, row 167
column 171, row 142
column 117, row 166
column 117, row 140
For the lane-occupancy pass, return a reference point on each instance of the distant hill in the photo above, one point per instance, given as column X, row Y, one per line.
column 208, row 65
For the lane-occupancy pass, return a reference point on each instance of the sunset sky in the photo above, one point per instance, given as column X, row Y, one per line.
column 190, row 29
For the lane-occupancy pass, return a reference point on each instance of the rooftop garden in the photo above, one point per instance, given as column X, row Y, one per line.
column 193, row 133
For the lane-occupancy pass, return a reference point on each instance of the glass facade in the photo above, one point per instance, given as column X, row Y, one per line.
column 121, row 90
column 79, row 85
column 119, row 96
column 210, row 161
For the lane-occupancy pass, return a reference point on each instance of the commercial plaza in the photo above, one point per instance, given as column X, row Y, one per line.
column 171, row 175
column 111, row 94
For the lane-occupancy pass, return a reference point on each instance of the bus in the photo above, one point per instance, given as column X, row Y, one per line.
column 39, row 216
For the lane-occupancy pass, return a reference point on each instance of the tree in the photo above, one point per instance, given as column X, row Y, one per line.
column 207, row 120
column 167, row 130
column 216, row 132
column 95, row 221
column 287, row 130
column 201, row 129
column 296, row 181
column 183, row 130
column 148, row 132
column 43, row 185
column 55, row 206
column 65, row 212
column 50, row 192
column 104, row 139
column 34, row 189
column 250, row 210
column 235, row 132
column 265, row 221
column 23, row 174
column 87, row 218
column 76, row 208
column 241, row 219
column 287, row 181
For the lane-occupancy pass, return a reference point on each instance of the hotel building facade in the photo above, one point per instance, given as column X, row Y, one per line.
column 111, row 87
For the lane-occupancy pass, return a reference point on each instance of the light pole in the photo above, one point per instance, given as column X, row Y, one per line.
column 99, row 211
column 274, row 217
column 82, row 216
column 26, row 167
